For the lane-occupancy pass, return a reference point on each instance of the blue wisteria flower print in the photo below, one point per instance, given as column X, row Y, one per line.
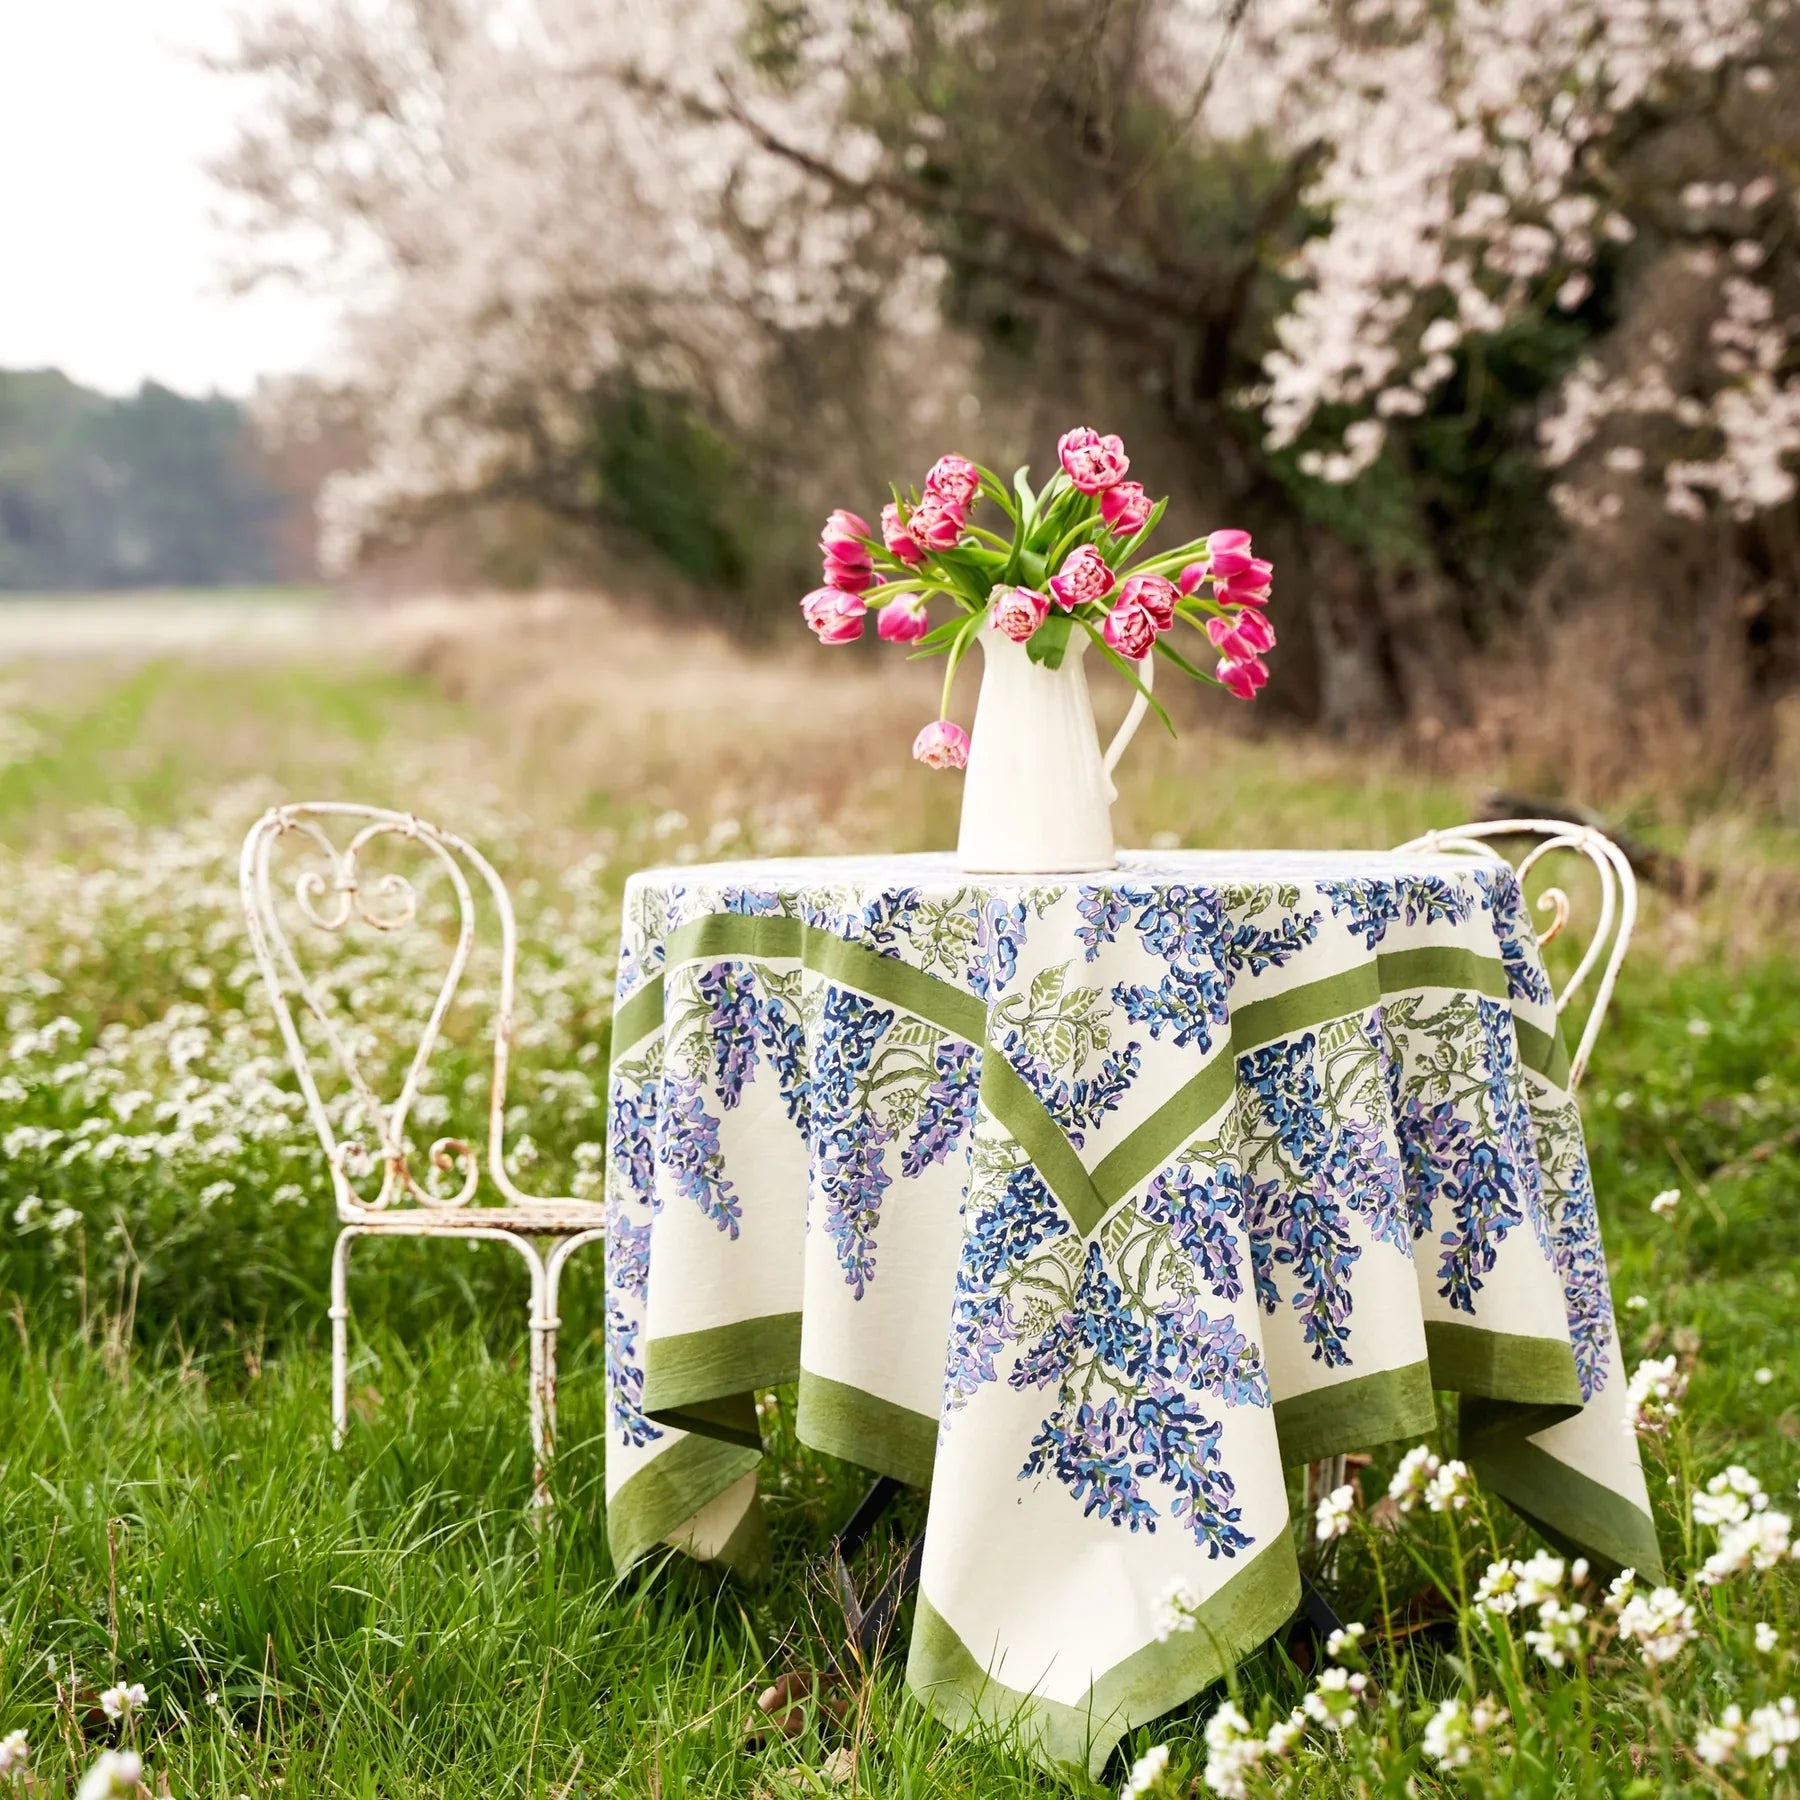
column 1504, row 899
column 1202, row 1204
column 946, row 1109
column 999, row 937
column 1369, row 904
column 848, row 1137
column 1127, row 1431
column 1467, row 1136
column 1204, row 941
column 687, row 1147
column 1319, row 1147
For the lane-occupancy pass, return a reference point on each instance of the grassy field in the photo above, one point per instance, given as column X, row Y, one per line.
column 385, row 1622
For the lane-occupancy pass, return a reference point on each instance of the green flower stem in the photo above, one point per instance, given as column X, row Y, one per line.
column 1068, row 541
column 999, row 543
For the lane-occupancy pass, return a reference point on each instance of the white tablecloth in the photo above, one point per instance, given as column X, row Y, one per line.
column 1092, row 1202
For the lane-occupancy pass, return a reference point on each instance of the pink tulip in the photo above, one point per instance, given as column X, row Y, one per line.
column 835, row 615
column 1018, row 611
column 894, row 535
column 1084, row 578
column 843, row 537
column 954, row 480
column 1254, row 629
column 849, row 577
column 1251, row 588
column 1218, row 542
column 1130, row 631
column 1243, row 678
column 903, row 621
column 1094, row 463
column 1155, row 594
column 1228, row 640
column 1125, row 508
column 935, row 524
column 1227, row 563
column 1192, row 576
column 942, row 745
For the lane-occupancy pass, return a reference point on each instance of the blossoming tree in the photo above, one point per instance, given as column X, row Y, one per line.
column 1400, row 270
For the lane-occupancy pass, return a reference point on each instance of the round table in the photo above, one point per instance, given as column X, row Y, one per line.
column 1092, row 1202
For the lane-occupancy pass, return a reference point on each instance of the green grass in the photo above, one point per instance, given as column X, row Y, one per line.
column 386, row 1621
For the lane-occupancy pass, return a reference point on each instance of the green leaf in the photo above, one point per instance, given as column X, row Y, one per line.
column 1141, row 535
column 1046, row 989
column 1047, row 645
column 1130, row 674
column 1167, row 650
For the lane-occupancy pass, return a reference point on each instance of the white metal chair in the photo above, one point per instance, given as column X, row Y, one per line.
column 1607, row 949
column 546, row 1231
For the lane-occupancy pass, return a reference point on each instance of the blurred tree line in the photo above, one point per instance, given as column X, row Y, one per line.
column 153, row 490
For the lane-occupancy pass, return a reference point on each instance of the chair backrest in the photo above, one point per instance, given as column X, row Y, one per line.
column 331, row 893
column 1618, row 904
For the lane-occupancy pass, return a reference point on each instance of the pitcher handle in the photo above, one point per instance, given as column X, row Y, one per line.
column 1140, row 704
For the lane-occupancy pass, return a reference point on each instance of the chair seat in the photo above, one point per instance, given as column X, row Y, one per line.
column 545, row 1218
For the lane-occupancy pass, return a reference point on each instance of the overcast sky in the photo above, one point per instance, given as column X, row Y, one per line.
column 111, row 260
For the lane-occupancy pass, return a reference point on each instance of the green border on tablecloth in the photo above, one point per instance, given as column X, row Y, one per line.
column 1505, row 1366
column 951, row 1680
column 1576, row 1513
column 1356, row 1415
column 664, row 1495
column 694, row 1370
column 865, row 1429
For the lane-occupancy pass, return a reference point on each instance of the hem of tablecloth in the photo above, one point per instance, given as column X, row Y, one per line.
column 1357, row 1414
column 1526, row 1375
column 950, row 1681
column 863, row 1428
column 661, row 1497
column 687, row 1376
column 1577, row 1514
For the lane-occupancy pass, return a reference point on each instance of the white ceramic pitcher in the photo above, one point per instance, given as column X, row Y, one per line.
column 1037, row 795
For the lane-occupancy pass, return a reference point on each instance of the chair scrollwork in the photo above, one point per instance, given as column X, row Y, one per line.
column 332, row 893
column 1618, row 907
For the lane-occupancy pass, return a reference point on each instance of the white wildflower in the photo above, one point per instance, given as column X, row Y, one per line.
column 1451, row 1731
column 1175, row 1611
column 1654, row 1393
column 1497, row 1593
column 1346, row 1641
column 1635, row 1303
column 1772, row 1731
column 1558, row 1634
column 1540, row 1579
column 1758, row 1542
column 1763, row 1377
column 1660, row 1623
column 15, row 1755
column 122, row 1701
column 118, row 1775
column 1621, row 1588
column 1666, row 1202
column 1334, row 1513
column 1448, row 1489
column 1147, row 1773
column 1332, row 1701
column 1729, row 1498
column 1233, row 1752
column 1718, row 1744
column 1414, row 1474
column 1767, row 1637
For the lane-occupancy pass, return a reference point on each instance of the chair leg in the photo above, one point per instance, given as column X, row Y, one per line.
column 546, row 1322
column 340, row 1335
column 541, row 1323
